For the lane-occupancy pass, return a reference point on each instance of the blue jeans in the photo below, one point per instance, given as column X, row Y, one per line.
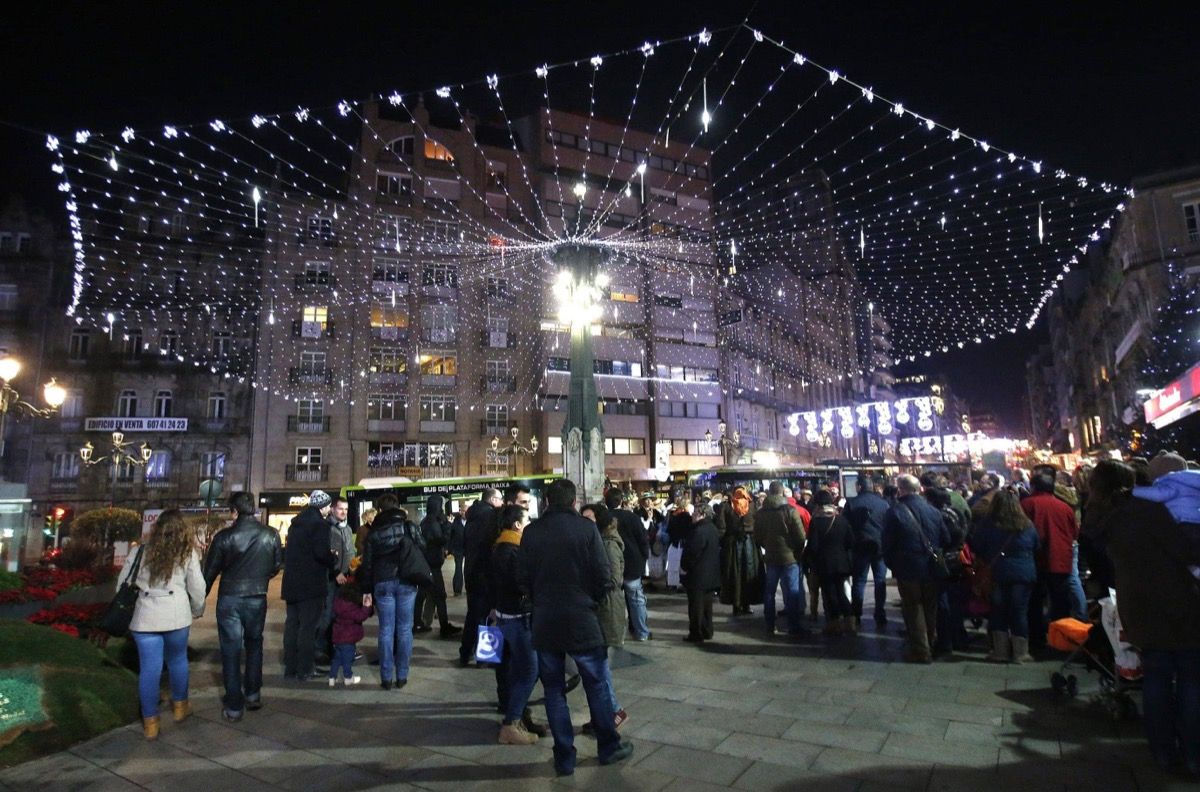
column 1077, row 598
column 862, row 563
column 793, row 599
column 240, row 623
column 343, row 659
column 521, row 666
column 153, row 648
column 394, row 603
column 1171, row 704
column 635, row 604
column 1010, row 608
column 593, row 667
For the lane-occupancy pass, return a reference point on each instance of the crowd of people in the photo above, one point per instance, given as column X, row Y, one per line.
column 566, row 589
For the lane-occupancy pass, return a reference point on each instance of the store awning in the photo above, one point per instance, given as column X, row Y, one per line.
column 1178, row 400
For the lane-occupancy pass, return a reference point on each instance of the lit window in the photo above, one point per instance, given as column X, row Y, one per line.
column 436, row 151
column 318, row 314
column 438, row 364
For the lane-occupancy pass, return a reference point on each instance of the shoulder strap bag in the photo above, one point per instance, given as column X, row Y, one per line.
column 938, row 569
column 115, row 620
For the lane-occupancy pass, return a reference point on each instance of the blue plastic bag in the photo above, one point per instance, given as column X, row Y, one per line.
column 489, row 648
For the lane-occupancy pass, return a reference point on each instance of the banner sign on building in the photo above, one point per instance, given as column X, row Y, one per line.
column 1178, row 400
column 135, row 425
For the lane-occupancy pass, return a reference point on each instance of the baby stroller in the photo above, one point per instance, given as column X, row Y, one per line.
column 1100, row 647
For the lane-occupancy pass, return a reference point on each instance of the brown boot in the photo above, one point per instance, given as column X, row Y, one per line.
column 150, row 728
column 180, row 710
column 515, row 734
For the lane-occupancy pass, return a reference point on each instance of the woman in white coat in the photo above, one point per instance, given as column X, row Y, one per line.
column 170, row 595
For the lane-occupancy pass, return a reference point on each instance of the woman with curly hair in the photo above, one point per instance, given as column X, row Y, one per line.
column 170, row 587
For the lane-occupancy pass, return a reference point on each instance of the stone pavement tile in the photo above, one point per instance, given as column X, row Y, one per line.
column 848, row 683
column 684, row 734
column 762, row 776
column 710, row 766
column 989, row 698
column 832, row 735
column 332, row 778
column 905, row 724
column 745, row 722
column 1014, row 750
column 960, row 779
column 622, row 777
column 770, row 749
column 875, row 701
column 954, row 711
column 806, row 711
column 1095, row 777
column 840, row 762
column 665, row 691
column 63, row 770
column 384, row 760
column 977, row 732
column 282, row 765
column 734, row 701
column 929, row 749
column 109, row 748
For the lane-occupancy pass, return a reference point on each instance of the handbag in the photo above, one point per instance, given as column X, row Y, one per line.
column 983, row 583
column 414, row 569
column 116, row 618
column 489, row 648
column 938, row 569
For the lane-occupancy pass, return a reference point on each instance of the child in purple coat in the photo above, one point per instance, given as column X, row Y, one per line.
column 348, row 616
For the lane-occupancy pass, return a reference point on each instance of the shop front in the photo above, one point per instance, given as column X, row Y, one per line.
column 278, row 508
column 1178, row 400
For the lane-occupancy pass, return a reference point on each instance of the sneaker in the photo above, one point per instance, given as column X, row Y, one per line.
column 619, row 718
column 421, row 628
column 515, row 734
column 332, row 681
column 254, row 704
column 624, row 751
column 233, row 716
column 450, row 630
column 358, row 656
column 354, row 680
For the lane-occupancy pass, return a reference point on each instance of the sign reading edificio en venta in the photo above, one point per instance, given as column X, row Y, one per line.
column 135, row 425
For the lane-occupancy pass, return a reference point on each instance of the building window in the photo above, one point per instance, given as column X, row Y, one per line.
column 392, row 232
column 495, row 416
column 438, row 408
column 72, row 407
column 316, row 273
column 80, row 341
column 554, row 444
column 312, row 363
column 436, row 151
column 66, row 465
column 694, row 448
column 159, row 466
column 177, row 280
column 624, row 445
column 623, row 296
column 127, row 404
column 387, row 360
column 1191, row 220
column 441, row 231
column 402, row 147
column 178, row 225
column 222, row 345
column 168, row 344
column 212, row 465
column 439, row 364
column 24, row 243
column 7, row 244
column 394, row 184
column 440, row 275
column 162, row 404
column 132, row 344
column 686, row 373
column 320, row 227
column 216, row 406
column 497, row 371
column 389, row 319
column 8, row 296
column 498, row 287
column 676, row 409
column 439, row 324
column 389, row 270
column 385, row 407
column 308, row 457
column 310, row 410
column 314, row 320
column 497, row 176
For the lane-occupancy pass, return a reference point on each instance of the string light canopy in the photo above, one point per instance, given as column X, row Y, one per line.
column 683, row 156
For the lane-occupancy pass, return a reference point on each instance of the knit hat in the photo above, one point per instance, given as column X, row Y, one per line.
column 319, row 499
column 1165, row 463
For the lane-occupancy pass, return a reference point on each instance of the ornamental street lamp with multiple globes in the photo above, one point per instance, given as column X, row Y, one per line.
column 118, row 455
column 514, row 448
column 728, row 446
column 10, row 401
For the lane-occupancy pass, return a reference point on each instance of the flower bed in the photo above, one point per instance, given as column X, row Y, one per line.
column 70, row 619
column 44, row 584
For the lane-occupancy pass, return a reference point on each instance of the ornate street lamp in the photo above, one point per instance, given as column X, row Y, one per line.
column 118, row 455
column 514, row 448
column 10, row 401
column 729, row 446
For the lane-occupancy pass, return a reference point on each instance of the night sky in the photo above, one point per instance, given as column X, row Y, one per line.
column 1109, row 94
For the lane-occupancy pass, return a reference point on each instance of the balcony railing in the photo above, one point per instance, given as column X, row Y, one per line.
column 387, row 377
column 439, row 380
column 158, row 482
column 298, row 376
column 306, row 424
column 493, row 384
column 491, row 429
column 490, row 340
column 318, row 329
column 309, row 472
column 64, row 482
column 315, row 281
column 324, row 240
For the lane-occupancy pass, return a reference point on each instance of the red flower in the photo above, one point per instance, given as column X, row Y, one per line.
column 66, row 628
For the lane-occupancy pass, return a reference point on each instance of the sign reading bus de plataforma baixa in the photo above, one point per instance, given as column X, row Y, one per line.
column 135, row 425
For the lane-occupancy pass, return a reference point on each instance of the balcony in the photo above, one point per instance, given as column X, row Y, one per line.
column 494, row 384
column 387, row 378
column 306, row 473
column 440, row 336
column 439, row 380
column 489, row 340
column 302, row 376
column 490, row 429
column 386, row 288
column 64, row 483
column 322, row 240
column 302, row 329
column 438, row 427
column 308, row 424
column 389, row 333
column 394, row 425
column 158, row 482
column 315, row 281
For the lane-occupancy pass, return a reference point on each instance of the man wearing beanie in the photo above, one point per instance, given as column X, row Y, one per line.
column 307, row 561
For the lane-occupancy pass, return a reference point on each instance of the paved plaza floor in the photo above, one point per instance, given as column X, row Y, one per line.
column 742, row 712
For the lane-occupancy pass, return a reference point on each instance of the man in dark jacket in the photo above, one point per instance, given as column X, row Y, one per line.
column 456, row 546
column 477, row 544
column 564, row 567
column 1152, row 542
column 701, row 567
column 866, row 512
column 435, row 533
column 911, row 531
column 637, row 551
column 778, row 531
column 306, row 565
column 246, row 555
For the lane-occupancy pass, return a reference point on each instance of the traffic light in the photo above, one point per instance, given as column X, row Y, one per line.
column 54, row 520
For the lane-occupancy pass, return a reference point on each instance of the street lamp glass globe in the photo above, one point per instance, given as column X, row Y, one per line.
column 513, row 431
column 10, row 367
column 146, row 452
column 118, row 438
column 495, row 442
column 54, row 394
column 85, row 453
column 533, row 443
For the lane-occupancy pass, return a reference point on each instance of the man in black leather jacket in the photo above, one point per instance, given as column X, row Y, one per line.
column 246, row 555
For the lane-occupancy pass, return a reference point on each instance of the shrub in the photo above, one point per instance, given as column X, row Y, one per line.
column 10, row 581
column 78, row 554
column 108, row 525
